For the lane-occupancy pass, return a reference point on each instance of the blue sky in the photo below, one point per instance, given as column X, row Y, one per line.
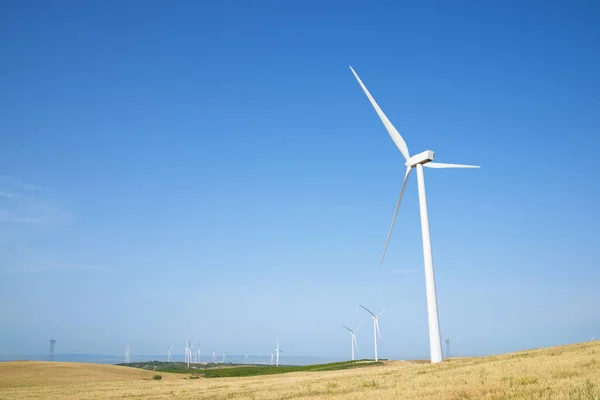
column 214, row 171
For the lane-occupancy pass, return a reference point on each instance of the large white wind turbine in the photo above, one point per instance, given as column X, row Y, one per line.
column 418, row 161
column 376, row 332
column 169, row 354
column 277, row 351
column 353, row 338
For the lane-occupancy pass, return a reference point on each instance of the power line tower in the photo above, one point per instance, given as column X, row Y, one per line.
column 51, row 354
column 447, row 348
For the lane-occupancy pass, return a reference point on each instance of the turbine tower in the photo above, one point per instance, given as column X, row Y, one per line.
column 224, row 358
column 376, row 332
column 271, row 358
column 51, row 354
column 169, row 353
column 198, row 354
column 418, row 161
column 188, row 353
column 277, row 351
column 353, row 338
column 214, row 356
column 246, row 358
column 127, row 355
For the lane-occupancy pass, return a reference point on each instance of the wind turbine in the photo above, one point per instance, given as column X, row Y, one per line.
column 169, row 354
column 417, row 161
column 271, row 358
column 375, row 327
column 245, row 358
column 223, row 358
column 214, row 356
column 188, row 353
column 593, row 338
column 198, row 354
column 127, row 355
column 277, row 351
column 353, row 337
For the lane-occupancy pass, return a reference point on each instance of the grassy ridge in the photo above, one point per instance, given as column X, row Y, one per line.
column 236, row 370
column 269, row 369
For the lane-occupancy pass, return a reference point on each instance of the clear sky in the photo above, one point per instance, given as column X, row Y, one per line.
column 213, row 171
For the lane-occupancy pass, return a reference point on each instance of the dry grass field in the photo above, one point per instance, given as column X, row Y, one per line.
column 566, row 372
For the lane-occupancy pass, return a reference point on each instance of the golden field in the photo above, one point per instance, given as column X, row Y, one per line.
column 565, row 372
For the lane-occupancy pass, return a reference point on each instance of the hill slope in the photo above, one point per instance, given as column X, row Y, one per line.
column 39, row 373
column 565, row 372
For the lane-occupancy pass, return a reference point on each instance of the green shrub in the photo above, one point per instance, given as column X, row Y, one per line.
column 157, row 377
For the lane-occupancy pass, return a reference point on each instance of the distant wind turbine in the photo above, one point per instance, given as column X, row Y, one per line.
column 188, row 353
column 245, row 358
column 593, row 338
column 418, row 161
column 376, row 332
column 353, row 338
column 271, row 358
column 198, row 353
column 169, row 354
column 127, row 355
column 223, row 358
column 214, row 356
column 277, row 351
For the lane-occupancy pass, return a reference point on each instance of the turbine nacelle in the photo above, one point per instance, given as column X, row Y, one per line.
column 421, row 158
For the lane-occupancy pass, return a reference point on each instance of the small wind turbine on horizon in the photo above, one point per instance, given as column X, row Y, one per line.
column 418, row 161
column 127, row 355
column 593, row 338
column 188, row 353
column 376, row 332
column 198, row 353
column 353, row 338
column 245, row 358
column 223, row 358
column 271, row 358
column 169, row 353
column 277, row 351
column 214, row 356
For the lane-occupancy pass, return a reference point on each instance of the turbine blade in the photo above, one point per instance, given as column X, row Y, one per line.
column 361, row 322
column 443, row 165
column 347, row 328
column 384, row 310
column 355, row 344
column 367, row 309
column 387, row 240
column 396, row 137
